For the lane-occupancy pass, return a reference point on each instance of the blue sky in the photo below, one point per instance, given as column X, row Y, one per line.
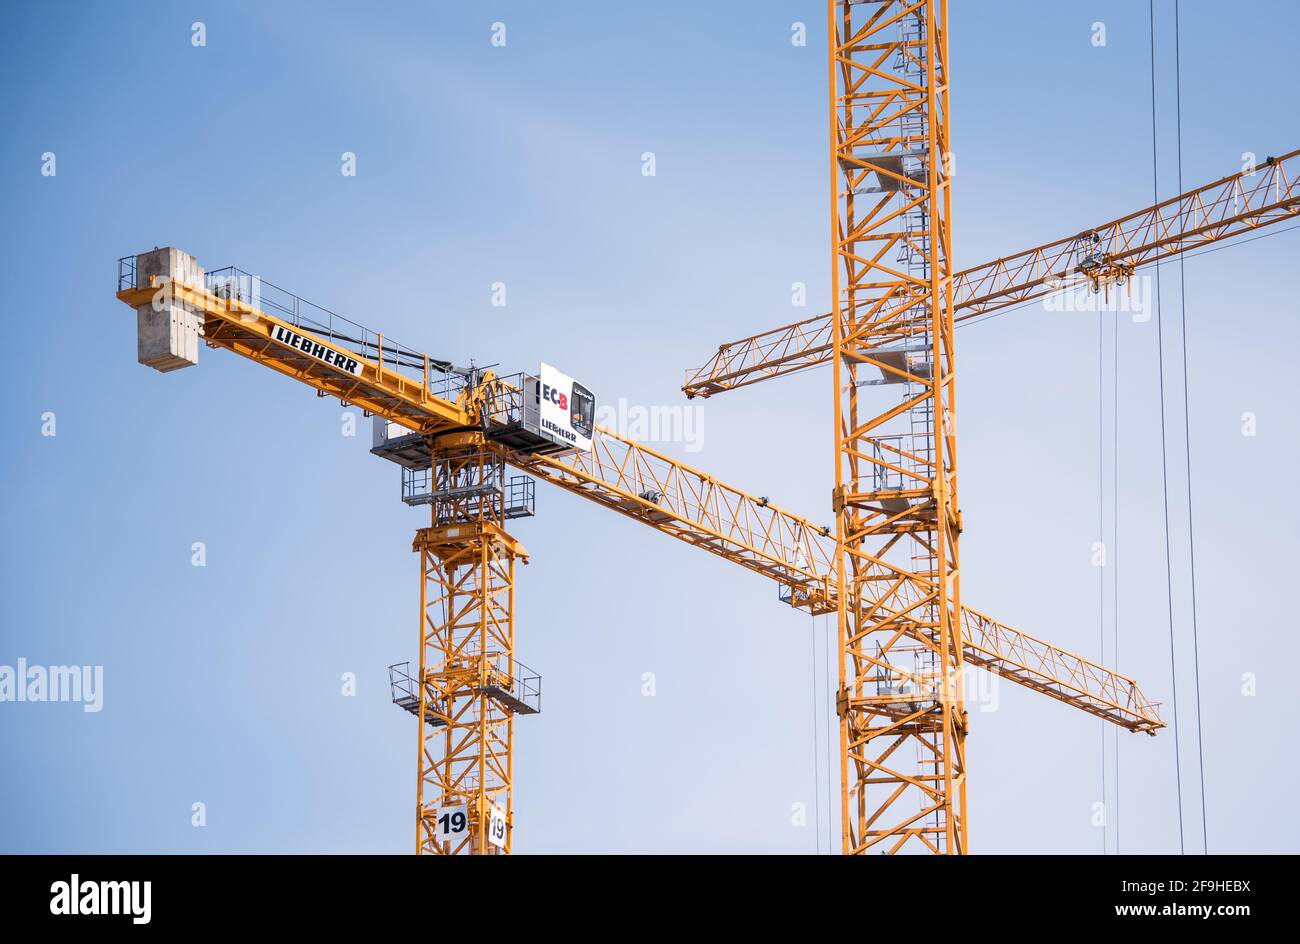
column 522, row 164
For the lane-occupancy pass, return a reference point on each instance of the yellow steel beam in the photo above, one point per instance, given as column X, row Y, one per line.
column 698, row 509
column 693, row 506
column 1231, row 206
column 252, row 333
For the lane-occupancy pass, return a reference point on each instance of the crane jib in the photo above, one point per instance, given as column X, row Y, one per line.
column 313, row 348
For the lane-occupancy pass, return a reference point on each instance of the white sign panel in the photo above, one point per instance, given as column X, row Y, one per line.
column 451, row 823
column 322, row 353
column 561, row 408
column 497, row 828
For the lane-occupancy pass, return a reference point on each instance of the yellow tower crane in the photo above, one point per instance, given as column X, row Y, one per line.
column 890, row 568
column 895, row 303
column 903, row 762
column 455, row 431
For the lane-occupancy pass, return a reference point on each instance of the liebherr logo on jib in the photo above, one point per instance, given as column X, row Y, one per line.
column 326, row 355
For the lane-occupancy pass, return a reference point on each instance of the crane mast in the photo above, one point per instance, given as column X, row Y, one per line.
column 470, row 686
column 900, row 702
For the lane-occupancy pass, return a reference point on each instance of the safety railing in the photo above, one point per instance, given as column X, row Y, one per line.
column 520, row 685
column 126, row 273
column 508, row 680
column 895, row 451
column 505, row 406
column 233, row 283
column 517, row 496
column 403, row 687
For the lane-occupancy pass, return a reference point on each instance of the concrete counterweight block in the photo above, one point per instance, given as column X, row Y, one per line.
column 167, row 330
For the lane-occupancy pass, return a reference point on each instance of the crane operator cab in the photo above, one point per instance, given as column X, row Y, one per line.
column 558, row 412
column 553, row 414
column 546, row 413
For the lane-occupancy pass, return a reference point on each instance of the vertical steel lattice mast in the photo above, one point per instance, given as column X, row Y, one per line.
column 902, row 721
column 467, row 669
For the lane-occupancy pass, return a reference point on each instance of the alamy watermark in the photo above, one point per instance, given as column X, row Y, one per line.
column 680, row 423
column 82, row 684
column 81, row 897
column 1133, row 295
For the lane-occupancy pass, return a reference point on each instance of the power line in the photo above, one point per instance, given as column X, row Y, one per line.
column 1114, row 536
column 817, row 760
column 830, row 773
column 1164, row 461
column 1187, row 441
column 1101, row 534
